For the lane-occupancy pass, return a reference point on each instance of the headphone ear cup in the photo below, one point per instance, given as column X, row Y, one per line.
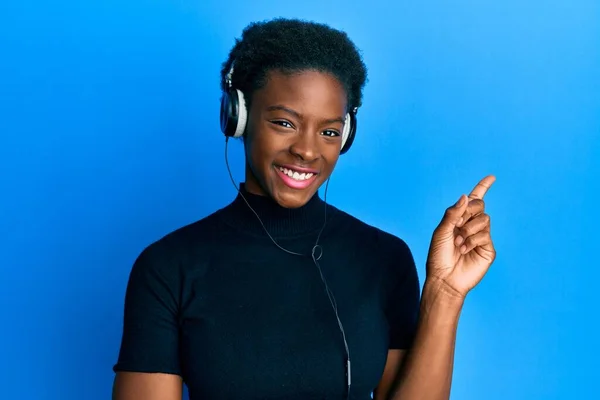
column 233, row 113
column 348, row 133
column 242, row 115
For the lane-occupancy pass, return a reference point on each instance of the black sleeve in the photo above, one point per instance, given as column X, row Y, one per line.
column 150, row 341
column 404, row 297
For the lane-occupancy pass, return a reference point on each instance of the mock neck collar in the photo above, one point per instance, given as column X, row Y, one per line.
column 278, row 220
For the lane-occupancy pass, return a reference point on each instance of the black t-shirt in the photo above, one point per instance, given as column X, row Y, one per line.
column 218, row 303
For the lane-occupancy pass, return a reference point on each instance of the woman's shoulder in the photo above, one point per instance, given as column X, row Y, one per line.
column 369, row 234
column 188, row 242
column 377, row 248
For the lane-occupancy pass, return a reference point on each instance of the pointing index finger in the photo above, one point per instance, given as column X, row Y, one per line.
column 482, row 187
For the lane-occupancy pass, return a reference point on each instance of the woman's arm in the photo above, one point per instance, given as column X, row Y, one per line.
column 431, row 357
column 426, row 372
column 395, row 361
column 148, row 365
column 147, row 386
column 460, row 254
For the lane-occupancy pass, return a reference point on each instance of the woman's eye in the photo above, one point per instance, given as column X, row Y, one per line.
column 285, row 124
column 331, row 133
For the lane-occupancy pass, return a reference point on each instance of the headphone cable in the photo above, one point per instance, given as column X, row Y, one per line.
column 315, row 257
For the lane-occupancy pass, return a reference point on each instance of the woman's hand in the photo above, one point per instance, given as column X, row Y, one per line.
column 461, row 249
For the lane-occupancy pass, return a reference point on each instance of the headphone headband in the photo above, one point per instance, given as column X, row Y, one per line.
column 229, row 76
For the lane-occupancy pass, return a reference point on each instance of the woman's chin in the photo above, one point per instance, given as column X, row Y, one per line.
column 290, row 198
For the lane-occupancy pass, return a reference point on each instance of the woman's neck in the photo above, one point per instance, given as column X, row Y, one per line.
column 248, row 210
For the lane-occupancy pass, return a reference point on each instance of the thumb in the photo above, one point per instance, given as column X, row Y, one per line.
column 453, row 215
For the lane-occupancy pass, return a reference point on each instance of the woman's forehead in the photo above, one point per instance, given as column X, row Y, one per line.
column 312, row 89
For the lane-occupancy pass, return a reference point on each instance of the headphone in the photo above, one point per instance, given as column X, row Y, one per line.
column 234, row 115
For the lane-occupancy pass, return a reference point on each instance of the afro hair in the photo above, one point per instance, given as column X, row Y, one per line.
column 293, row 45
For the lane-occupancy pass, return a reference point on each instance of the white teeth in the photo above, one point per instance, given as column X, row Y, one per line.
column 296, row 175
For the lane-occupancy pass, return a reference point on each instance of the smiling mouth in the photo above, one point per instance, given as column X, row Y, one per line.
column 296, row 175
column 296, row 179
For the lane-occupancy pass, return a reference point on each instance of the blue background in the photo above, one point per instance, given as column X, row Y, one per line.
column 109, row 139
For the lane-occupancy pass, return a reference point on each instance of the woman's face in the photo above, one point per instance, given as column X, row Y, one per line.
column 294, row 135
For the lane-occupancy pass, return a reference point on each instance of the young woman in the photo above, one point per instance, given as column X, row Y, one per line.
column 279, row 295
